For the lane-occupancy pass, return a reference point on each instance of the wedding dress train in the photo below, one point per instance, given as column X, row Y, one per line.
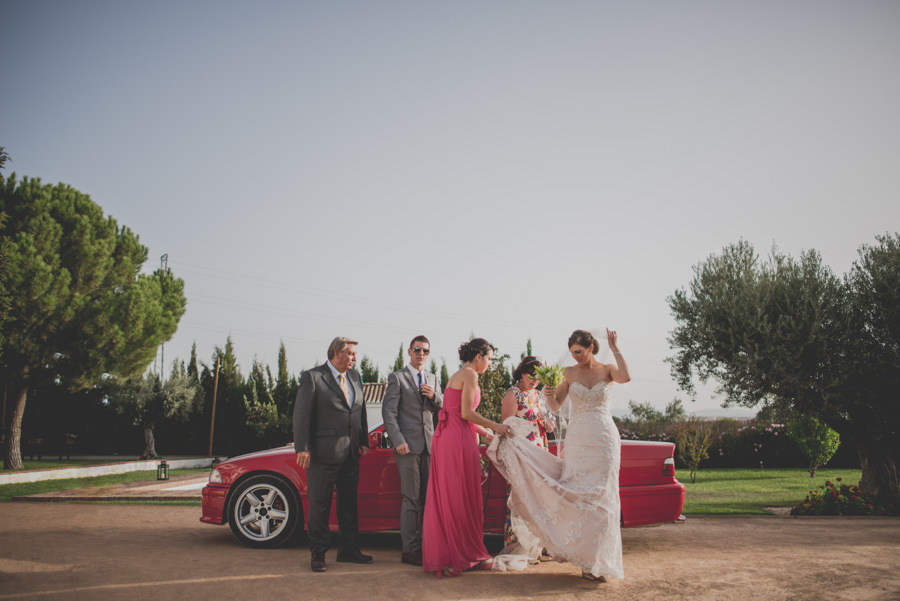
column 570, row 505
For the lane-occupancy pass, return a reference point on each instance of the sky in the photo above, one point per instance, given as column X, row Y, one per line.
column 509, row 169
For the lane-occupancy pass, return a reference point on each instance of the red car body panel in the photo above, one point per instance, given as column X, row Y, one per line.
column 648, row 496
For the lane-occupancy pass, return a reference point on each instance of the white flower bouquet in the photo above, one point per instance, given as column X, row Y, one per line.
column 549, row 375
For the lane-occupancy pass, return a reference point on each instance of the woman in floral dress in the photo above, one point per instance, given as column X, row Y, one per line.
column 524, row 401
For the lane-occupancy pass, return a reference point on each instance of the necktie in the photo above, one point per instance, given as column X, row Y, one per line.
column 344, row 389
column 421, row 396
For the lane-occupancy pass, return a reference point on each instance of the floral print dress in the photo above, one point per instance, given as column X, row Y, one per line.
column 529, row 408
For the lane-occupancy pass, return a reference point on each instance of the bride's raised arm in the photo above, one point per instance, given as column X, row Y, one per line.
column 619, row 372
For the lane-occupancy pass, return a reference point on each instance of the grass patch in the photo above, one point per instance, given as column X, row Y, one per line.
column 49, row 465
column 8, row 491
column 747, row 491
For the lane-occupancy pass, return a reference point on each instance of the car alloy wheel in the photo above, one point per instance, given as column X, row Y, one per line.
column 264, row 511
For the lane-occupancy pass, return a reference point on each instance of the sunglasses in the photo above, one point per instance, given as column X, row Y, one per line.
column 419, row 349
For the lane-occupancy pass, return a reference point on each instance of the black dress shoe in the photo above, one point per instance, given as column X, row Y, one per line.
column 354, row 556
column 413, row 559
column 317, row 563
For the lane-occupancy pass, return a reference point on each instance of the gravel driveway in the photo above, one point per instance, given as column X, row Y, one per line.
column 81, row 551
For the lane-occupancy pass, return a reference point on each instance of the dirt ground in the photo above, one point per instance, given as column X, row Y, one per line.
column 135, row 552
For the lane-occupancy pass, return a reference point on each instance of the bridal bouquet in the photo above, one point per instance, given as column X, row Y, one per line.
column 550, row 375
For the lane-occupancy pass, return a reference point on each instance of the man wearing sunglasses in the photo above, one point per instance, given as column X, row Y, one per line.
column 410, row 401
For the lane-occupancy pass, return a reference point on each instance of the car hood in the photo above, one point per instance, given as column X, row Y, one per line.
column 285, row 450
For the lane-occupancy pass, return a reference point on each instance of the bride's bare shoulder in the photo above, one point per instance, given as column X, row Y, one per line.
column 606, row 371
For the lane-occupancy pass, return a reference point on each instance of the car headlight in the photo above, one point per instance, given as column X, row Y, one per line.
column 215, row 477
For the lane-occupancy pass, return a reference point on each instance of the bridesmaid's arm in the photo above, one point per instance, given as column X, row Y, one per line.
column 484, row 432
column 469, row 382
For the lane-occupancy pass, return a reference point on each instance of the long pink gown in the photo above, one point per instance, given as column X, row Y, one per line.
column 453, row 528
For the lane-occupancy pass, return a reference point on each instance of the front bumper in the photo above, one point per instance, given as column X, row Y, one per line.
column 213, row 504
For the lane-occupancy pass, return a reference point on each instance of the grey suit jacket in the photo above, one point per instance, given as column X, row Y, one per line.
column 323, row 423
column 407, row 414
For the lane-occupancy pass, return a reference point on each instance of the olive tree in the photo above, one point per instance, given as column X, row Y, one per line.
column 148, row 400
column 79, row 308
column 789, row 334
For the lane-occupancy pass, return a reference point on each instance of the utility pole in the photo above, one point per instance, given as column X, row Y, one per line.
column 212, row 420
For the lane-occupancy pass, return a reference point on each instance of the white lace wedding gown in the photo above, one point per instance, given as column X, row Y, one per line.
column 569, row 505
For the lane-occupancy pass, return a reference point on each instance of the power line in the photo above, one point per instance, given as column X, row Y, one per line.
column 332, row 295
column 351, row 298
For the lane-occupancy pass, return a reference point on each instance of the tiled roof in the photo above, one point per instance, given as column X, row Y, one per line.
column 374, row 393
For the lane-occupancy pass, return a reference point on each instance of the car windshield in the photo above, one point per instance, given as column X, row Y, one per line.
column 373, row 415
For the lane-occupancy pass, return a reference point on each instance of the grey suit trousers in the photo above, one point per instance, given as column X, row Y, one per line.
column 414, row 469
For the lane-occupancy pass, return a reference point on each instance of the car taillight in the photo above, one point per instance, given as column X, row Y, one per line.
column 669, row 468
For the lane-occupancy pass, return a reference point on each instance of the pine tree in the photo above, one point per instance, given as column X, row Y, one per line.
column 79, row 306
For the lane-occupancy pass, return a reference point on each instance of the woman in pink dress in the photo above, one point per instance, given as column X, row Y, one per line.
column 453, row 528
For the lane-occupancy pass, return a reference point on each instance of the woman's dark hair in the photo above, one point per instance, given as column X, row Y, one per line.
column 585, row 339
column 471, row 349
column 526, row 367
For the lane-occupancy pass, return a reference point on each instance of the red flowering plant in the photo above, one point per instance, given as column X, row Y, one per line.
column 837, row 498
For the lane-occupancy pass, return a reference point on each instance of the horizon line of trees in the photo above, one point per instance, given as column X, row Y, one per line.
column 174, row 411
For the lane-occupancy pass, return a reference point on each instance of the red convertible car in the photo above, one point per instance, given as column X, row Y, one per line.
column 262, row 496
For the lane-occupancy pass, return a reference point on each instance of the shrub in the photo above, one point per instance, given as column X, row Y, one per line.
column 840, row 499
column 737, row 443
column 692, row 441
column 816, row 440
column 755, row 444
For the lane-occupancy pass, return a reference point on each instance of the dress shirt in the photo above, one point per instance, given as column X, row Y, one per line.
column 415, row 373
column 337, row 378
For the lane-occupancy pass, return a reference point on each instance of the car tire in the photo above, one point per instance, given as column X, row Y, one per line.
column 264, row 511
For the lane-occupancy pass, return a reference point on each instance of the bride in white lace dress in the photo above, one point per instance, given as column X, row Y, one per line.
column 570, row 505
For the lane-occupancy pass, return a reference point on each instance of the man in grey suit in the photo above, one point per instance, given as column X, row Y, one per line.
column 411, row 399
column 330, row 435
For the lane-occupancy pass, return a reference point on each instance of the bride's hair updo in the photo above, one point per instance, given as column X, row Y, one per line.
column 585, row 339
column 471, row 349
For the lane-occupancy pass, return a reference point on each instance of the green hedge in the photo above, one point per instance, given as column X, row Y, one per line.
column 741, row 443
